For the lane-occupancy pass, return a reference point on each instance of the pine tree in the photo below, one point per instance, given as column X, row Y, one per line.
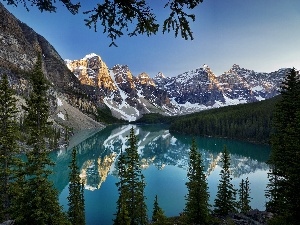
column 76, row 199
column 225, row 201
column 122, row 216
column 244, row 196
column 82, row 201
column 158, row 216
column 284, row 182
column 197, row 207
column 131, row 187
column 38, row 203
column 9, row 149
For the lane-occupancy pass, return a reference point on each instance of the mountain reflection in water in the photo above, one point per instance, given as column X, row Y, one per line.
column 97, row 157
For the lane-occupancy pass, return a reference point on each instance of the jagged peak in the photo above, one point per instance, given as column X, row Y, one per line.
column 208, row 70
column 144, row 78
column 118, row 66
column 91, row 55
column 205, row 66
column 122, row 70
column 143, row 75
column 233, row 70
column 235, row 66
column 67, row 61
column 160, row 75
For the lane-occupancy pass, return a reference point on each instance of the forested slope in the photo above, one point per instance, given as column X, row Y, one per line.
column 251, row 122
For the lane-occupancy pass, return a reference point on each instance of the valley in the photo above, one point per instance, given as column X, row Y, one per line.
column 95, row 94
column 178, row 136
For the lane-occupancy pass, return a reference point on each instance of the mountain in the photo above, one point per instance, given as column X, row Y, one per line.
column 201, row 89
column 249, row 85
column 129, row 96
column 87, row 90
column 19, row 49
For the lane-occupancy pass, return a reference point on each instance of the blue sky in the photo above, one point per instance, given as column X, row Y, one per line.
column 263, row 35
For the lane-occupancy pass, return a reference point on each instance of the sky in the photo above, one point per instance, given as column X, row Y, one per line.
column 262, row 35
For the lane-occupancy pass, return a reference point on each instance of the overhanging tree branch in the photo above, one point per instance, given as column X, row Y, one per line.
column 131, row 17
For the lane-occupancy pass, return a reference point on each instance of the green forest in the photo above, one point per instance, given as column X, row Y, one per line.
column 27, row 194
column 250, row 122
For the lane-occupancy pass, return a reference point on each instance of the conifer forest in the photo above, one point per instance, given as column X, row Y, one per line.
column 29, row 197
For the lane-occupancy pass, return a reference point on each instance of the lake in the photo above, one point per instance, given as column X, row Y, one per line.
column 164, row 159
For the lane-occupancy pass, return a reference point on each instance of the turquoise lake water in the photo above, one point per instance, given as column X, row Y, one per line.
column 164, row 158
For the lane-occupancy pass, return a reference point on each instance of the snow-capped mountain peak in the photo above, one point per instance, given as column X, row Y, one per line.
column 160, row 75
column 91, row 55
column 205, row 66
column 129, row 96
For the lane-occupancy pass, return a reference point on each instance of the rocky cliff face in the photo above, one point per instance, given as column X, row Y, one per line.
column 201, row 89
column 16, row 51
column 19, row 47
column 196, row 86
column 127, row 96
column 91, row 70
column 240, row 83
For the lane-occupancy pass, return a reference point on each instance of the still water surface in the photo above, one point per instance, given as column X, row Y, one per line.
column 164, row 159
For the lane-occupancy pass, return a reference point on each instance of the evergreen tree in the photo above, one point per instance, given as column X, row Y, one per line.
column 9, row 149
column 158, row 216
column 131, row 202
column 225, row 199
column 284, row 181
column 196, row 208
column 76, row 199
column 122, row 216
column 82, row 201
column 38, row 203
column 244, row 196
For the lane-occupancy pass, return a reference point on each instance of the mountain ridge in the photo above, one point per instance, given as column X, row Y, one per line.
column 188, row 92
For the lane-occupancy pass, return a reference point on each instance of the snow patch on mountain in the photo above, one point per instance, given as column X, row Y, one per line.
column 59, row 102
column 125, row 112
column 61, row 115
column 259, row 98
column 229, row 101
column 258, row 88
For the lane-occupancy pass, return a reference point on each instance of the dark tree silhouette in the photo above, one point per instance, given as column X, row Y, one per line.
column 75, row 199
column 158, row 216
column 131, row 187
column 284, row 181
column 38, row 202
column 117, row 17
column 244, row 196
column 225, row 199
column 9, row 149
column 196, row 208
